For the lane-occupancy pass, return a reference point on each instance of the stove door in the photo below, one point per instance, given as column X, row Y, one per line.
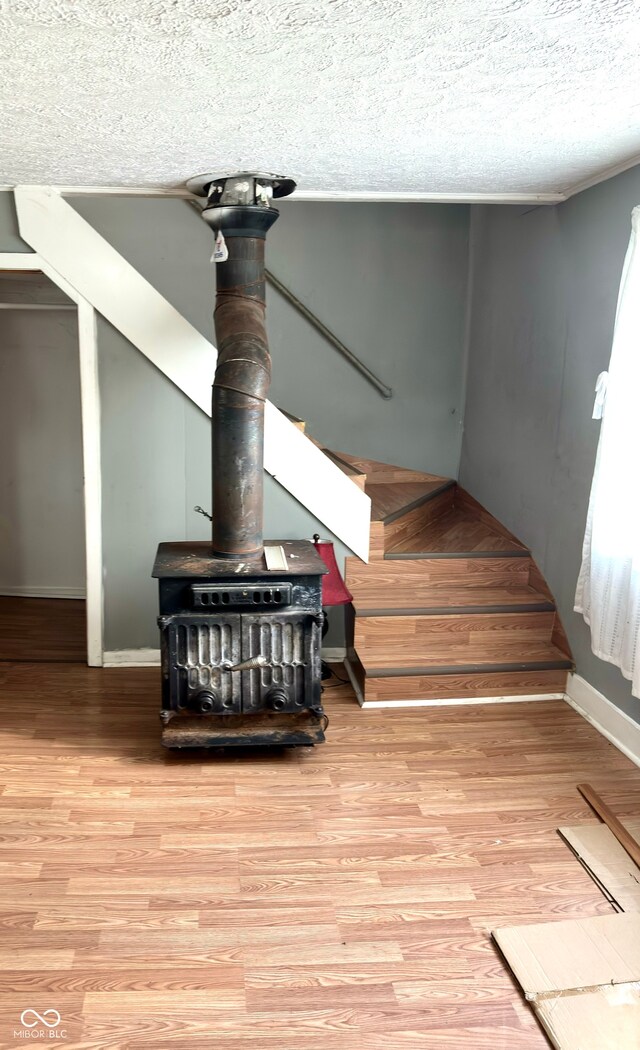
column 201, row 653
column 289, row 642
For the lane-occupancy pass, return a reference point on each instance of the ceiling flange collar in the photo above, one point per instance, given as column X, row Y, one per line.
column 240, row 187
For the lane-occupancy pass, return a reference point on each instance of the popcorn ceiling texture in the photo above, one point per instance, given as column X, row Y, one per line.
column 393, row 95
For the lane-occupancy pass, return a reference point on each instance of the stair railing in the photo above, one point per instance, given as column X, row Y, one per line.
column 286, row 293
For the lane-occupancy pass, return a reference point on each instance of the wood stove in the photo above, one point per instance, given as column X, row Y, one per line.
column 240, row 633
column 240, row 647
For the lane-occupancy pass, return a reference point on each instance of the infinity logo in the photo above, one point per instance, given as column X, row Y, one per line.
column 40, row 1018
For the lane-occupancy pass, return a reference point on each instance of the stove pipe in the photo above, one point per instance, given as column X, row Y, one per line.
column 239, row 211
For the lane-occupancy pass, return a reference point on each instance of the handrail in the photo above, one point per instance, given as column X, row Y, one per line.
column 359, row 365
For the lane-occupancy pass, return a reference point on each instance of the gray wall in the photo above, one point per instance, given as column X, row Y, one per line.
column 41, row 502
column 369, row 272
column 544, row 296
column 390, row 280
column 10, row 240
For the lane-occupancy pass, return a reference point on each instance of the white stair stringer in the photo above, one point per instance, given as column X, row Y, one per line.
column 80, row 255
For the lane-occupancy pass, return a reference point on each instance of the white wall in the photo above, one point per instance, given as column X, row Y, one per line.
column 41, row 503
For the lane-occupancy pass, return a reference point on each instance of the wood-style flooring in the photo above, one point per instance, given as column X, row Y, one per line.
column 47, row 629
column 331, row 899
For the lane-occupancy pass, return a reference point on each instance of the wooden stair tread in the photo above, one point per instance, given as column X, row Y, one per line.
column 467, row 599
column 387, row 473
column 391, row 501
column 457, row 531
column 475, row 653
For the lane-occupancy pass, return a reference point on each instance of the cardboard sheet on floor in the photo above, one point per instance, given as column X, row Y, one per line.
column 608, row 864
column 582, row 977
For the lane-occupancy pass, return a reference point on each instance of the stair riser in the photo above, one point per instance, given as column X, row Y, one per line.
column 465, row 686
column 480, row 654
column 390, row 503
column 394, row 633
column 389, row 476
column 559, row 636
column 376, row 540
column 404, row 528
column 413, row 582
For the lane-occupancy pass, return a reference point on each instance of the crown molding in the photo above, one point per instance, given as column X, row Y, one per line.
column 363, row 196
column 368, row 196
column 602, row 176
column 346, row 197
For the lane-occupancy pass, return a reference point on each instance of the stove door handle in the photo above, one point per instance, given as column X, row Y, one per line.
column 249, row 665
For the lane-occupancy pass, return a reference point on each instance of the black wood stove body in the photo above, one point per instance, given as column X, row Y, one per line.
column 240, row 641
column 240, row 647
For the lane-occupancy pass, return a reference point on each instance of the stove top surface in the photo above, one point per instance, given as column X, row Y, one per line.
column 188, row 558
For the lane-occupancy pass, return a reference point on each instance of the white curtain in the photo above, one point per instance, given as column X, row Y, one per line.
column 608, row 593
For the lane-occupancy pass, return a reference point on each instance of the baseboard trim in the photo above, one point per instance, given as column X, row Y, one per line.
column 463, row 701
column 354, row 682
column 131, row 658
column 619, row 729
column 151, row 657
column 335, row 655
column 42, row 592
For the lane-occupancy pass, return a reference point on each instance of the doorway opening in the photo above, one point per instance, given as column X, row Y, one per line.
column 42, row 514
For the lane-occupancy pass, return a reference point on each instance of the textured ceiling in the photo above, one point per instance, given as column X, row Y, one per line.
column 458, row 96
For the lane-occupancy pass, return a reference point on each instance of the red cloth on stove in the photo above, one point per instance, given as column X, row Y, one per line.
column 334, row 591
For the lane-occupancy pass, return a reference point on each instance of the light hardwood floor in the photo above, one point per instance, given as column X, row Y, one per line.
column 338, row 898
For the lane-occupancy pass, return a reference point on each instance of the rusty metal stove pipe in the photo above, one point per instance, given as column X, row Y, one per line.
column 240, row 388
column 240, row 213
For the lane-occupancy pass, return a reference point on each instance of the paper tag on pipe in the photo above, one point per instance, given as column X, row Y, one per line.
column 220, row 250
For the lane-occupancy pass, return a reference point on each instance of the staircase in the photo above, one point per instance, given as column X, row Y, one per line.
column 451, row 606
